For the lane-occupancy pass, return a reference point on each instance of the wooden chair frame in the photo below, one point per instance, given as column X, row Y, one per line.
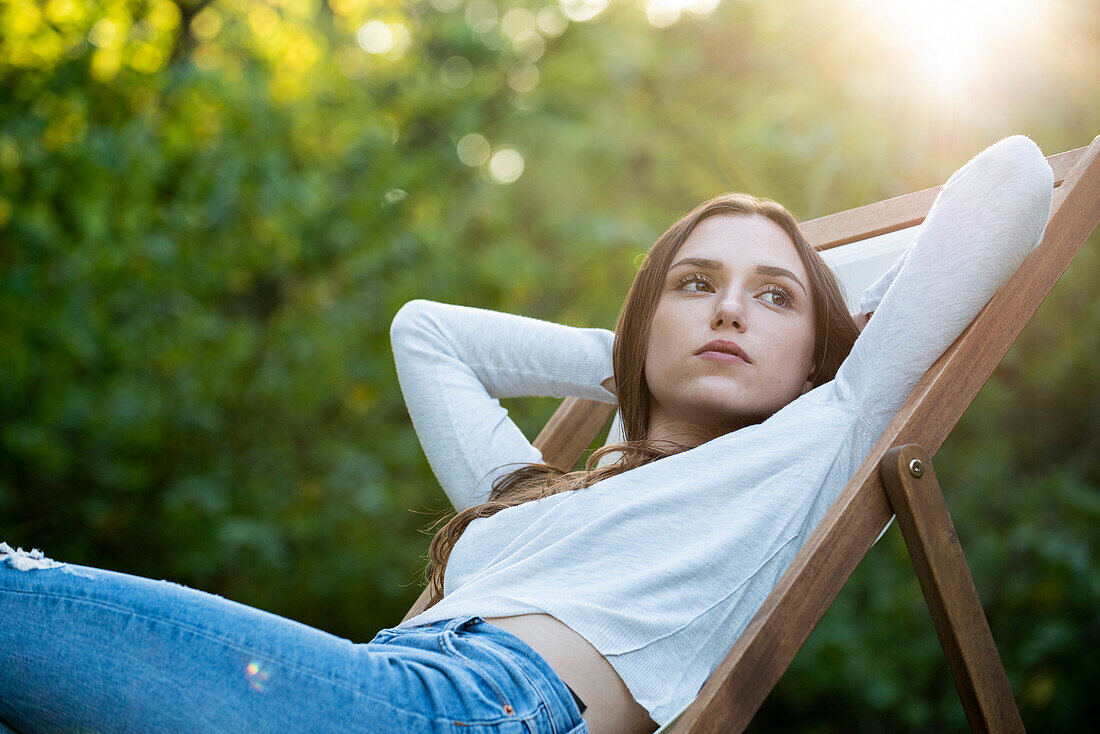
column 896, row 477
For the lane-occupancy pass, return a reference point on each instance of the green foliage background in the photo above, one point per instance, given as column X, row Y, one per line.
column 210, row 211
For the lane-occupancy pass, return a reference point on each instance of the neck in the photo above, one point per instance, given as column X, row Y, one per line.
column 682, row 433
column 664, row 426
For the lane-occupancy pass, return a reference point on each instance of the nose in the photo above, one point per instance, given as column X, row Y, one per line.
column 728, row 312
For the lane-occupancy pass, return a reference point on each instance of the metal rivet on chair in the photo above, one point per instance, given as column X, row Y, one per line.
column 916, row 467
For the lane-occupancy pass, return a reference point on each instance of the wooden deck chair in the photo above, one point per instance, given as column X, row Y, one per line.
column 897, row 475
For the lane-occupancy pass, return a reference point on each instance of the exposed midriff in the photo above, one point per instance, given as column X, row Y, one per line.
column 610, row 709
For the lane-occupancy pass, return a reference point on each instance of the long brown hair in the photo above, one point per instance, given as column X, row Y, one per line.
column 834, row 335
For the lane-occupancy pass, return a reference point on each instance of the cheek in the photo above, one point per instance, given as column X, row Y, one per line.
column 662, row 333
column 659, row 332
column 807, row 352
column 653, row 366
column 794, row 358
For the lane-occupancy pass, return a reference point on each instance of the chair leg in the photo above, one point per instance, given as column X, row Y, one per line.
column 949, row 590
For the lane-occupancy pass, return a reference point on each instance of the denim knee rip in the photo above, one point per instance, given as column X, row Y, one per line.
column 21, row 560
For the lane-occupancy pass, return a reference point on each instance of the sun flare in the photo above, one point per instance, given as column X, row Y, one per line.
column 949, row 41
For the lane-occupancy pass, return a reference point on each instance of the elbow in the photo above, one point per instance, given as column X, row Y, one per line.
column 421, row 332
column 409, row 321
column 1025, row 186
column 1035, row 181
column 1029, row 163
column 1018, row 163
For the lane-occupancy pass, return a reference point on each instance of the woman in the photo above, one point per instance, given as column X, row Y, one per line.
column 623, row 594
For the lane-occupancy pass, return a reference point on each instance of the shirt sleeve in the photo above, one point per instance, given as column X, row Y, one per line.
column 989, row 215
column 872, row 295
column 455, row 362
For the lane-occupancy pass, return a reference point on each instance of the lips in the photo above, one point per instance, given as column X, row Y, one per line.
column 724, row 350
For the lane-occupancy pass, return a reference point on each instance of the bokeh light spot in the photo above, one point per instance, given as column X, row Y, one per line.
column 456, row 72
column 165, row 15
column 551, row 21
column 62, row 11
column 375, row 37
column 473, row 149
column 256, row 677
column 529, row 45
column 105, row 64
column 24, row 18
column 523, row 77
column 394, row 197
column 206, row 24
column 147, row 58
column 662, row 13
column 582, row 10
column 516, row 21
column 402, row 40
column 701, row 8
column 102, row 33
column 263, row 20
column 506, row 165
column 445, row 6
column 481, row 16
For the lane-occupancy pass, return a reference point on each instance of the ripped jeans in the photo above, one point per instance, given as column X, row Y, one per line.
column 83, row 649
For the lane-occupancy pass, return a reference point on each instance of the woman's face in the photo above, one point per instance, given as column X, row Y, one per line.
column 732, row 338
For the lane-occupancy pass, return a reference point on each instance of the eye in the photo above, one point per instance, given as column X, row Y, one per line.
column 777, row 296
column 694, row 283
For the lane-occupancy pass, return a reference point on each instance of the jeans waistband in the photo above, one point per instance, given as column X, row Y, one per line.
column 544, row 677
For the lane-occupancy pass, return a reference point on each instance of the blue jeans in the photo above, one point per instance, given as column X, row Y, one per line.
column 83, row 649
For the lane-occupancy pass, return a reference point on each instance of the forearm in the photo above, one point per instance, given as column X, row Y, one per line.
column 511, row 356
column 454, row 363
column 988, row 217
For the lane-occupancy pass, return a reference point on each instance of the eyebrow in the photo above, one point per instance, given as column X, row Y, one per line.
column 700, row 262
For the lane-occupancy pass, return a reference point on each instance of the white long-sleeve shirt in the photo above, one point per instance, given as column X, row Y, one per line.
column 661, row 568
